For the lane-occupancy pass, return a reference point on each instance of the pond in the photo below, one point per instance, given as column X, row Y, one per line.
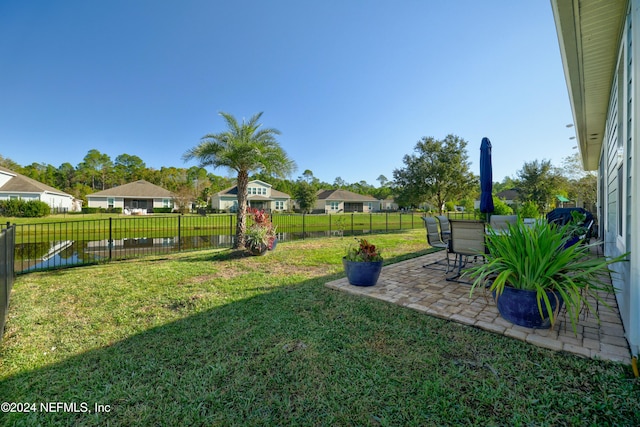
column 57, row 254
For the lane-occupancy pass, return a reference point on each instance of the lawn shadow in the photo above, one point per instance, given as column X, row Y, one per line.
column 304, row 354
column 226, row 365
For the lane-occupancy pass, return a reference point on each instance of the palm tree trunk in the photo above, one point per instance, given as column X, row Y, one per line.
column 241, row 224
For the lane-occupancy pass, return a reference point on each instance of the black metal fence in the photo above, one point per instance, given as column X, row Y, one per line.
column 49, row 245
column 7, row 273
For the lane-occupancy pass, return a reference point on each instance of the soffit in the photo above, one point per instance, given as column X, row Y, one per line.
column 589, row 35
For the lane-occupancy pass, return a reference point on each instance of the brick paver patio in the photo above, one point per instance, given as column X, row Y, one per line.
column 409, row 284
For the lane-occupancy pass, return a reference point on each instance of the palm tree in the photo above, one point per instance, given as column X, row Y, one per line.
column 244, row 148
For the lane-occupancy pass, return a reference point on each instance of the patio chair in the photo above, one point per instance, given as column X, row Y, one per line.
column 435, row 240
column 445, row 228
column 467, row 240
column 500, row 223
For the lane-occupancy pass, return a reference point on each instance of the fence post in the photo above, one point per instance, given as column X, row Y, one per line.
column 304, row 230
column 110, row 242
column 7, row 270
column 329, row 216
column 370, row 223
column 386, row 222
column 179, row 234
column 231, row 229
column 352, row 232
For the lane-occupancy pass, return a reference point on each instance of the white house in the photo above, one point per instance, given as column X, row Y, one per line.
column 260, row 196
column 137, row 195
column 600, row 49
column 388, row 205
column 16, row 186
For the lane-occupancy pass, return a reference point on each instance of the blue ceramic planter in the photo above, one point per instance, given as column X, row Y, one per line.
column 274, row 244
column 521, row 307
column 362, row 273
column 572, row 241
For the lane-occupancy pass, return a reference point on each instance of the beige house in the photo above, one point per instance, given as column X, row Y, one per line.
column 600, row 49
column 138, row 196
column 337, row 201
column 388, row 205
column 16, row 186
column 260, row 196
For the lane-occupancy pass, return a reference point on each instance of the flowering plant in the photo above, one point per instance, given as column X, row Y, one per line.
column 261, row 235
column 363, row 252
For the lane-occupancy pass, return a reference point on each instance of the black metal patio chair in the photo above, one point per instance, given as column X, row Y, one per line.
column 435, row 240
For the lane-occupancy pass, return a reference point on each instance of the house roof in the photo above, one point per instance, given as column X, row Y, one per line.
column 23, row 184
column 510, row 194
column 344, row 195
column 589, row 34
column 140, row 188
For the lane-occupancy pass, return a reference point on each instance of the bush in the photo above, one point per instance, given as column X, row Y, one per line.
column 24, row 209
column 529, row 210
column 500, row 207
column 90, row 210
column 10, row 207
column 450, row 206
column 162, row 210
column 35, row 209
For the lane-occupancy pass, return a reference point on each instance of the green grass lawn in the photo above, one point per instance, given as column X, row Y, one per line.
column 218, row 338
column 100, row 226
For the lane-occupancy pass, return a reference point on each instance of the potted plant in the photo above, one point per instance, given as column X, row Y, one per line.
column 531, row 274
column 577, row 228
column 363, row 263
column 260, row 237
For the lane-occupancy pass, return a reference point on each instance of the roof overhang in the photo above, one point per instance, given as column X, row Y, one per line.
column 589, row 34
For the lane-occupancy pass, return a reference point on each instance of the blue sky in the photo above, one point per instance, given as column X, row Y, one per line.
column 351, row 84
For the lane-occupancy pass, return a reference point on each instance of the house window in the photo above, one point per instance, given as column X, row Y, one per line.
column 279, row 205
column 334, row 206
column 110, row 202
column 13, row 197
column 370, row 206
column 166, row 203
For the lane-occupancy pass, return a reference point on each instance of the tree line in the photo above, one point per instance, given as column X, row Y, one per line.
column 98, row 171
column 437, row 175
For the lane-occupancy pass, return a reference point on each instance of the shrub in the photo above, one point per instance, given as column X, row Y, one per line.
column 10, row 207
column 450, row 206
column 24, row 209
column 162, row 210
column 90, row 210
column 500, row 207
column 35, row 209
column 529, row 210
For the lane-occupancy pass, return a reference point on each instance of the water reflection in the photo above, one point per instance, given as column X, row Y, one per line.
column 55, row 254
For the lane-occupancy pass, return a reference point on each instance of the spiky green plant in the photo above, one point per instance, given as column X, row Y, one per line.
column 535, row 258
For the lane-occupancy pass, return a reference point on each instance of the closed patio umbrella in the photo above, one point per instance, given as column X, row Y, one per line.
column 486, row 177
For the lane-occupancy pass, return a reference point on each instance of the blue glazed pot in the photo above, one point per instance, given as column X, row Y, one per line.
column 572, row 241
column 521, row 307
column 273, row 245
column 362, row 273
